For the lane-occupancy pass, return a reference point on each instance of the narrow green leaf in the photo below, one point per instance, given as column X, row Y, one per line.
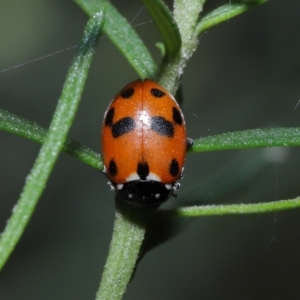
column 256, row 138
column 62, row 120
column 237, row 209
column 225, row 12
column 121, row 33
column 29, row 130
column 167, row 27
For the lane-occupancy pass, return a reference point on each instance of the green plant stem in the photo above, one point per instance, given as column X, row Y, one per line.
column 32, row 131
column 257, row 138
column 61, row 122
column 237, row 209
column 128, row 234
column 185, row 15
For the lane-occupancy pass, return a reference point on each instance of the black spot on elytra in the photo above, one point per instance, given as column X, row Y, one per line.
column 162, row 126
column 127, row 93
column 177, row 116
column 174, row 167
column 109, row 117
column 143, row 170
column 112, row 168
column 157, row 93
column 123, row 126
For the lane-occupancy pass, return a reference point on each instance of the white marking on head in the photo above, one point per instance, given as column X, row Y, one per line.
column 157, row 196
column 135, row 176
column 132, row 177
column 153, row 177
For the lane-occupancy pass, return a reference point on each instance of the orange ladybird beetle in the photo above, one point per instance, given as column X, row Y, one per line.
column 144, row 143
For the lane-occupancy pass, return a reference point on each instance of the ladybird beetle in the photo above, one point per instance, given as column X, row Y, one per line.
column 144, row 143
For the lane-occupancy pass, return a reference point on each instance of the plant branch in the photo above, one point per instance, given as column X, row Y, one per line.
column 257, row 138
column 167, row 26
column 32, row 131
column 129, row 231
column 237, row 209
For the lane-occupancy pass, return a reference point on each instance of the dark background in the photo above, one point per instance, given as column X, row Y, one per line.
column 244, row 75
